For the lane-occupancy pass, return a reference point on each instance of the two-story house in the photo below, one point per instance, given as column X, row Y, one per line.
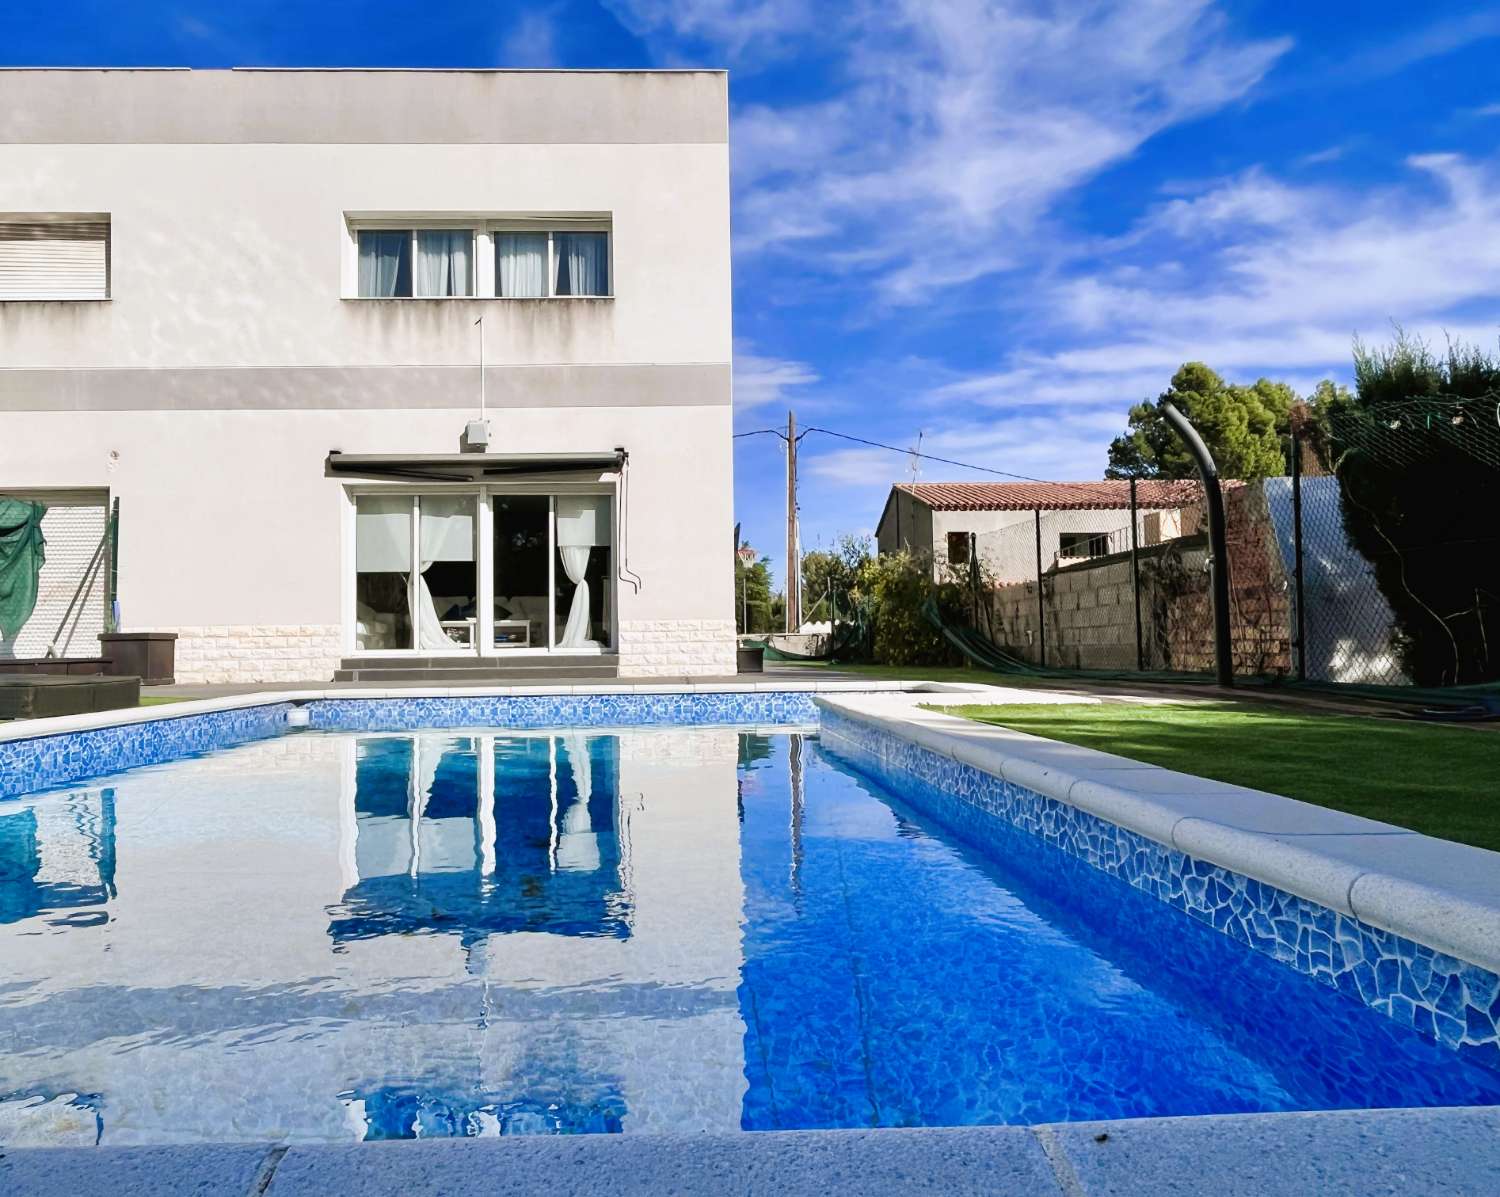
column 249, row 308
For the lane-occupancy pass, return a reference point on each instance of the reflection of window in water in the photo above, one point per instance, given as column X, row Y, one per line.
column 481, row 834
column 58, row 854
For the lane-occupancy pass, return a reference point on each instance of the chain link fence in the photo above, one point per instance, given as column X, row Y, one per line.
column 1374, row 561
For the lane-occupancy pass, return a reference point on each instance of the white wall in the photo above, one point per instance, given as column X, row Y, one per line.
column 208, row 389
column 226, row 517
column 231, row 255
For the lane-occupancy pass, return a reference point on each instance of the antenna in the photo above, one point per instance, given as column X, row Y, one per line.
column 914, row 463
column 480, row 325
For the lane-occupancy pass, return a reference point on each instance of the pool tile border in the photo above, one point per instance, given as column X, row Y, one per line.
column 1441, row 996
column 45, row 762
column 35, row 763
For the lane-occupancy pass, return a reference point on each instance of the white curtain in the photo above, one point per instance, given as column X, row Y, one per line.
column 521, row 265
column 575, row 563
column 446, row 534
column 443, row 261
column 384, row 263
column 582, row 523
column 578, row 843
column 582, row 263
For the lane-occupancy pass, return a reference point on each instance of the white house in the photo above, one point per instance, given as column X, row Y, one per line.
column 1010, row 525
column 250, row 308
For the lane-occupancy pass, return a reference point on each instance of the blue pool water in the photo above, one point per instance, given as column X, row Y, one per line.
column 336, row 936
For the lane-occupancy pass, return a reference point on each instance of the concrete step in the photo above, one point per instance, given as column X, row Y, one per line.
column 471, row 669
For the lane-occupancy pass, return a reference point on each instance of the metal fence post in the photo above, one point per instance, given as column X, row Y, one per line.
column 1297, row 556
column 112, row 616
column 1135, row 583
column 1218, row 542
column 1041, row 609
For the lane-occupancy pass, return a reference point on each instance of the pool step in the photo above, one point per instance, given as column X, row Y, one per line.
column 462, row 670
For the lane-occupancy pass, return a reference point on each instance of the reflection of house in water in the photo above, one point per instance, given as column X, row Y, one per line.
column 58, row 855
column 440, row 847
column 519, row 957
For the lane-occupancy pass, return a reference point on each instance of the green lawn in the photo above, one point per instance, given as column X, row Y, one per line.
column 1443, row 781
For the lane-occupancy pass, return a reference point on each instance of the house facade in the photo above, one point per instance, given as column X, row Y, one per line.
column 1011, row 526
column 247, row 310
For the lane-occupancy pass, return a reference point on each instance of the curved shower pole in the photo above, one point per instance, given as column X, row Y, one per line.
column 1218, row 548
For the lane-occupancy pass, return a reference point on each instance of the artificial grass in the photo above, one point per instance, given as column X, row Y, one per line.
column 1441, row 781
column 156, row 700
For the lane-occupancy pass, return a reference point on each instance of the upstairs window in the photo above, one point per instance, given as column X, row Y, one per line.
column 54, row 256
column 455, row 255
column 542, row 265
column 416, row 263
column 582, row 263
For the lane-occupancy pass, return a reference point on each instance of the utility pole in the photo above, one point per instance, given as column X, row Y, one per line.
column 793, row 558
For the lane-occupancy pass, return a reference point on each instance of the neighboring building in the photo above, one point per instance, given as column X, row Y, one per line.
column 1003, row 521
column 242, row 305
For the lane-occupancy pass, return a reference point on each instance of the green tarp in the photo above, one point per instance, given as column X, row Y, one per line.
column 22, row 551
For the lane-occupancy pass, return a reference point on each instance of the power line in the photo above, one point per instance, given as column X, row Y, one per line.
column 963, row 465
column 1098, row 489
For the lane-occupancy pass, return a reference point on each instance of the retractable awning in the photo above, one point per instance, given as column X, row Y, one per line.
column 468, row 467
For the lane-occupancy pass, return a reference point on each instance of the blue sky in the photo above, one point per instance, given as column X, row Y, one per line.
column 995, row 224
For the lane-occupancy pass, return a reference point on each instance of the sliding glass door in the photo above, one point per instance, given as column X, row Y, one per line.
column 422, row 561
column 581, row 591
column 432, row 608
column 523, row 582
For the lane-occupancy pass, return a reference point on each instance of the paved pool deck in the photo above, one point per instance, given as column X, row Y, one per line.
column 1359, row 1153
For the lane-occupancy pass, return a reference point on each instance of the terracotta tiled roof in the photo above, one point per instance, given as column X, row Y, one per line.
column 1049, row 496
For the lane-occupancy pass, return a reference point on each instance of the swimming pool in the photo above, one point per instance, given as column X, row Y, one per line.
column 335, row 935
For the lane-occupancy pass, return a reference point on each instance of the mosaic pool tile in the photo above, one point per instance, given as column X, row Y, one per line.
column 1439, row 996
column 563, row 710
column 45, row 762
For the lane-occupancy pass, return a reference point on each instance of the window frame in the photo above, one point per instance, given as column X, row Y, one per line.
column 412, row 228
column 1083, row 541
column 63, row 220
column 484, row 277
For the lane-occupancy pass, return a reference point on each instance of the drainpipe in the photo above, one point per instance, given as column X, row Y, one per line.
column 1218, row 548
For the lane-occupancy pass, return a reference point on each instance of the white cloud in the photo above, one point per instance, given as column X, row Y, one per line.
column 530, row 40
column 767, row 381
column 955, row 124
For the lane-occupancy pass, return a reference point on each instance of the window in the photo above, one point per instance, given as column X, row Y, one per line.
column 437, row 256
column 1082, row 544
column 958, row 548
column 416, row 263
column 54, row 256
column 1152, row 528
column 540, row 265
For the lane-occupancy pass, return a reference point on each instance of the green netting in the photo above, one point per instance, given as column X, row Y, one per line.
column 22, row 552
column 1408, row 432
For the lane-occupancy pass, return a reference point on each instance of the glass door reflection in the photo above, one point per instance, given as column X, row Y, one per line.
column 475, row 835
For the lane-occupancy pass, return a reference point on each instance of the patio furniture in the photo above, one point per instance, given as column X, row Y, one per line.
column 513, row 633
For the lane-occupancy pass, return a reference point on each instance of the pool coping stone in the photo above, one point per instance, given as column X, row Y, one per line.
column 1400, row 1153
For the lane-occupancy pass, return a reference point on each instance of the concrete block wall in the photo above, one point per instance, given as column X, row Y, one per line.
column 1089, row 608
column 677, row 648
